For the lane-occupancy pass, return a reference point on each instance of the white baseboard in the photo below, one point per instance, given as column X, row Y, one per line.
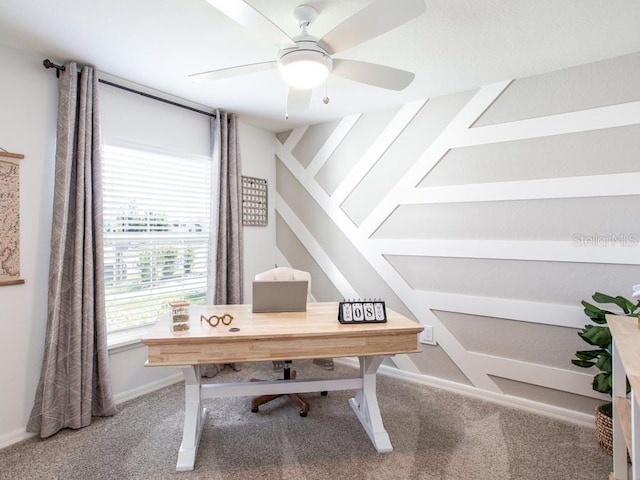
column 579, row 418
column 14, row 437
column 148, row 388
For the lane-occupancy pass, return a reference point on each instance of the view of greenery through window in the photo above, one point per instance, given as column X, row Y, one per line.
column 156, row 229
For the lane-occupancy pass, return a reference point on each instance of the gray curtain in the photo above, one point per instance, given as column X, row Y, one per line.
column 225, row 252
column 75, row 382
column 228, row 232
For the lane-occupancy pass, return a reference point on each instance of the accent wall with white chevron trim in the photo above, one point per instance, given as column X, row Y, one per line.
column 487, row 214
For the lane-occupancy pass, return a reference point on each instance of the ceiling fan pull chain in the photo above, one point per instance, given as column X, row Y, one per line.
column 286, row 105
column 326, row 98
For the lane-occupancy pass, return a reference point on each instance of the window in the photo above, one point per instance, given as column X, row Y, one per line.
column 156, row 231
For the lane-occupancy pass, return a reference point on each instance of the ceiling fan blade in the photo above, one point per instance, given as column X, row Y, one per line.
column 232, row 71
column 249, row 17
column 373, row 74
column 373, row 20
column 297, row 100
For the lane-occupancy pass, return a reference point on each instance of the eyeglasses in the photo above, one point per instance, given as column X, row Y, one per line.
column 225, row 319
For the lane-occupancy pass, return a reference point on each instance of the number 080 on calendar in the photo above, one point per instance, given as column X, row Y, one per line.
column 362, row 312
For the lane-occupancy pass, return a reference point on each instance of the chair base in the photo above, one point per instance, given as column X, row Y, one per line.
column 294, row 397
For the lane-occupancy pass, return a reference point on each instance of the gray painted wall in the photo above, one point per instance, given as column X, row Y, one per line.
column 488, row 214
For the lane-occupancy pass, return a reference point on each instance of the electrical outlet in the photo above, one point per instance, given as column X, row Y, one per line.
column 426, row 336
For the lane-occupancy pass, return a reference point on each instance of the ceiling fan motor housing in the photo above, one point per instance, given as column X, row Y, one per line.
column 306, row 65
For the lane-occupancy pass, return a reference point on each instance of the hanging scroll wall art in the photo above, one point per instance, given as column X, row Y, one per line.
column 10, row 218
column 254, row 201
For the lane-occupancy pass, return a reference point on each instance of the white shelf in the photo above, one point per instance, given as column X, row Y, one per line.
column 625, row 334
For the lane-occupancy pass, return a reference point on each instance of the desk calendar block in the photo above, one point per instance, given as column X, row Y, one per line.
column 362, row 311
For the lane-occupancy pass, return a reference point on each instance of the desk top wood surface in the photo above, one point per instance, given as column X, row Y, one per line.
column 626, row 334
column 315, row 333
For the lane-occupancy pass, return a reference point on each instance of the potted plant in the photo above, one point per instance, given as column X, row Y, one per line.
column 599, row 337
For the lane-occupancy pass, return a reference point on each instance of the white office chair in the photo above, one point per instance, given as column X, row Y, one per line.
column 284, row 274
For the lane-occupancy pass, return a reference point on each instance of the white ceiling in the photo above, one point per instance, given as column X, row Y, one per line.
column 456, row 45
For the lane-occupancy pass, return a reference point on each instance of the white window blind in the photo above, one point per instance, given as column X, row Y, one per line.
column 156, row 229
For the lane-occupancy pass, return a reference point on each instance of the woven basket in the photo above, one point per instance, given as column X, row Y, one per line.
column 604, row 432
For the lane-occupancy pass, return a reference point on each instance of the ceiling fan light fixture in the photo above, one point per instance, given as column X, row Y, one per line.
column 304, row 69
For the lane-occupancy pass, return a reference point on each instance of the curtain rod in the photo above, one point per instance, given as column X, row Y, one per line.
column 60, row 68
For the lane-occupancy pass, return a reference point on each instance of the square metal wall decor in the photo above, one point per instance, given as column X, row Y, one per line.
column 254, row 201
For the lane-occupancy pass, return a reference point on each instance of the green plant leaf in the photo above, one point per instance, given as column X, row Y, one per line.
column 601, row 383
column 607, row 409
column 582, row 363
column 626, row 306
column 594, row 313
column 604, row 363
column 588, row 354
column 590, row 307
column 598, row 336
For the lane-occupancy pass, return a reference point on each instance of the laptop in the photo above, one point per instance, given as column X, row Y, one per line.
column 279, row 296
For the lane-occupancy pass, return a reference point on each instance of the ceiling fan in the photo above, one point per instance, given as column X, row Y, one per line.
column 305, row 61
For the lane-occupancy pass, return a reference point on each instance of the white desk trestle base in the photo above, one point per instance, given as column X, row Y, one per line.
column 364, row 404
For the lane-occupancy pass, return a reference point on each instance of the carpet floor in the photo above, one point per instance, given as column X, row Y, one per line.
column 436, row 434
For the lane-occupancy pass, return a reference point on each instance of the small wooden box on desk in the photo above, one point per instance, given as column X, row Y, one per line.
column 625, row 334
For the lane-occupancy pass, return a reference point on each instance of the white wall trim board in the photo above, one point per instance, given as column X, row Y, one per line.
column 377, row 149
column 336, row 137
column 612, row 185
column 563, row 123
column 405, row 363
column 536, row 374
column 14, row 437
column 434, row 153
column 282, row 261
column 294, row 137
column 542, row 250
column 315, row 250
column 148, row 387
column 511, row 309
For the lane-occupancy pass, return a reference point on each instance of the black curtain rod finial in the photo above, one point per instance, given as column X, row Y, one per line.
column 49, row 64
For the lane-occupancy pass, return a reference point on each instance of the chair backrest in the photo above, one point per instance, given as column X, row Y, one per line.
column 285, row 274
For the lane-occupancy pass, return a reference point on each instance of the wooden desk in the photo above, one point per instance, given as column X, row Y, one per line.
column 625, row 334
column 315, row 333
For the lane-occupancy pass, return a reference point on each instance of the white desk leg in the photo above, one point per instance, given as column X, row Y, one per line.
column 619, row 444
column 194, row 415
column 635, row 436
column 365, row 404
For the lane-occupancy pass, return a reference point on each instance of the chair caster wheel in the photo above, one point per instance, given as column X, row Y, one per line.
column 254, row 409
column 303, row 413
column 324, row 394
